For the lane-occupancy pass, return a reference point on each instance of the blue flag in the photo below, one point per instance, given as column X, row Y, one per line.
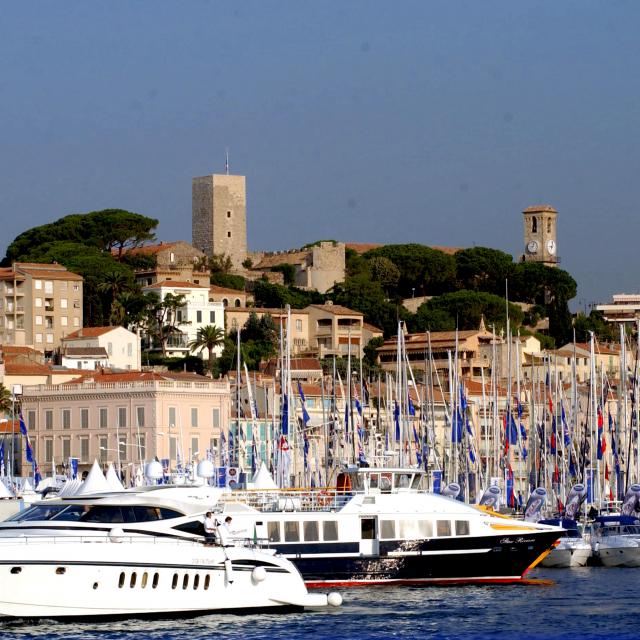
column 396, row 419
column 285, row 415
column 305, row 413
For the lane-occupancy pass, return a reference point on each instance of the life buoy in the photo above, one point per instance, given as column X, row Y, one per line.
column 324, row 498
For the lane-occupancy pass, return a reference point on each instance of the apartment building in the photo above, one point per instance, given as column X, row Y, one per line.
column 88, row 348
column 39, row 305
column 331, row 329
column 197, row 312
column 126, row 418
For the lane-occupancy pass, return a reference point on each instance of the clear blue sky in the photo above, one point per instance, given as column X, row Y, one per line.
column 421, row 121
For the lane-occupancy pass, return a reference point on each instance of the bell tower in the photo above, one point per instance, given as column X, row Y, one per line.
column 540, row 235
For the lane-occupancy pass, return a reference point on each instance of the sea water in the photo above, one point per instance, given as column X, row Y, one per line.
column 567, row 604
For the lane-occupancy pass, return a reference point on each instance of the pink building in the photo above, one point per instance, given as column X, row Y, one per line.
column 125, row 418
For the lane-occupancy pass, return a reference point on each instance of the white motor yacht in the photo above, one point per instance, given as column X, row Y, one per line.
column 616, row 540
column 572, row 549
column 138, row 553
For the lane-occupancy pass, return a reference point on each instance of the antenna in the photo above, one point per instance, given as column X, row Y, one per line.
column 226, row 160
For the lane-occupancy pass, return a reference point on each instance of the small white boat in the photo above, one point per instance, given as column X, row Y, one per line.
column 123, row 555
column 572, row 549
column 616, row 541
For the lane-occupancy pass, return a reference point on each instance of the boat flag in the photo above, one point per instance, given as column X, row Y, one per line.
column 223, row 450
column 27, row 442
column 513, row 429
column 510, row 497
column 305, row 451
column 305, row 413
column 396, row 419
column 285, row 415
column 565, row 426
column 2, row 473
column 602, row 447
column 412, row 409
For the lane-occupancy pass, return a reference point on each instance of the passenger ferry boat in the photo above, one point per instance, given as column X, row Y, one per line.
column 380, row 525
column 138, row 553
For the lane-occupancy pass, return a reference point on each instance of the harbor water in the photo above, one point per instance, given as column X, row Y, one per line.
column 591, row 602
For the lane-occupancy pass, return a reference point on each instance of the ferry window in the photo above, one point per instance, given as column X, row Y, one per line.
column 462, row 527
column 143, row 582
column 291, row 531
column 402, row 481
column 154, row 584
column 368, row 528
column 443, row 528
column 174, row 582
column 409, row 529
column 311, row 531
column 273, row 531
column 121, row 581
column 196, row 581
column 185, row 581
column 132, row 582
column 330, row 530
column 207, row 580
column 387, row 529
column 425, row 528
column 385, row 483
column 374, row 481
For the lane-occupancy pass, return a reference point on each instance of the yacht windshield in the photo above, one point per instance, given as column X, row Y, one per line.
column 94, row 513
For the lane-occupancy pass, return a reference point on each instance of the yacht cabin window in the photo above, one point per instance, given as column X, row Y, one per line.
column 387, row 529
column 273, row 531
column 330, row 530
column 462, row 527
column 443, row 528
column 291, row 531
column 311, row 531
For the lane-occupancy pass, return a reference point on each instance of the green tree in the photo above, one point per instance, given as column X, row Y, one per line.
column 384, row 272
column 483, row 269
column 425, row 270
column 584, row 325
column 115, row 283
column 276, row 296
column 162, row 317
column 288, row 272
column 371, row 352
column 6, row 402
column 209, row 337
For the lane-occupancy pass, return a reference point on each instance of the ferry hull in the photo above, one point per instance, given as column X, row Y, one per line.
column 484, row 560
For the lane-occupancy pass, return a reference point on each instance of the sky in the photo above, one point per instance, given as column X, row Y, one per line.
column 365, row 120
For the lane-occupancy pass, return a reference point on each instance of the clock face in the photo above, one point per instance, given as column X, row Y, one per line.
column 532, row 246
column 551, row 247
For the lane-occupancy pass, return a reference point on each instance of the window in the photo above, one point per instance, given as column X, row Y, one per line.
column 215, row 418
column 443, row 528
column 228, row 214
column 64, row 321
column 49, row 338
column 185, row 581
column 48, row 286
column 63, row 285
column 48, row 449
column 38, row 337
column 140, row 416
column 368, row 528
column 121, row 580
column 196, row 581
column 225, row 302
column 76, row 322
column 330, row 530
column 195, row 450
column 129, row 349
column 172, row 257
column 194, row 416
column 273, row 531
column 84, row 449
column 207, row 581
column 76, row 287
column 154, row 584
column 228, row 234
column 549, row 225
column 37, row 284
column 104, row 415
column 145, row 577
column 237, row 302
column 291, row 531
column 66, row 418
column 311, row 531
column 174, row 582
column 84, row 418
column 38, row 303
column 103, row 448
column 387, row 529
column 172, row 416
column 66, row 448
column 212, row 317
column 534, row 225
column 122, row 447
column 110, row 348
column 122, row 416
column 63, row 303
column 298, row 325
column 39, row 320
column 462, row 527
column 48, row 419
column 198, row 316
column 31, row 420
column 76, row 304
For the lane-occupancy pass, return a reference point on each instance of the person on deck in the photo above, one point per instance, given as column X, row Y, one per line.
column 209, row 529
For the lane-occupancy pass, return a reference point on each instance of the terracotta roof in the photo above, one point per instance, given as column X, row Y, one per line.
column 371, row 328
column 32, row 369
column 50, row 271
column 214, row 288
column 175, row 284
column 98, row 352
column 7, row 273
column 14, row 350
column 272, row 312
column 539, row 208
column 336, row 309
column 89, row 332
column 107, row 375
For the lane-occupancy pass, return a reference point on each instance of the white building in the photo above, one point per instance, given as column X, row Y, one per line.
column 121, row 347
column 197, row 312
column 624, row 308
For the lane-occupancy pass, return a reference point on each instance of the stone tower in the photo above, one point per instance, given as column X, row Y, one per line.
column 219, row 216
column 540, row 235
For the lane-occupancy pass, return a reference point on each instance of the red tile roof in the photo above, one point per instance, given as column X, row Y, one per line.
column 214, row 288
column 336, row 309
column 89, row 332
column 175, row 284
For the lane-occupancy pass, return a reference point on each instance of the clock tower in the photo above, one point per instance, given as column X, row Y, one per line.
column 540, row 235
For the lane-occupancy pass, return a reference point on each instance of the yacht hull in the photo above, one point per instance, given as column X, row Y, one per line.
column 568, row 557
column 63, row 579
column 623, row 556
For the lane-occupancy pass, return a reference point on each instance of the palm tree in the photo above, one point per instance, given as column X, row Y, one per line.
column 208, row 338
column 114, row 283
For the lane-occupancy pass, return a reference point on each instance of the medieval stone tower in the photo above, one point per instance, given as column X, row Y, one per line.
column 219, row 216
column 540, row 235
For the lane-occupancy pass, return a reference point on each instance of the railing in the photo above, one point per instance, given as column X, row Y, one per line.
column 116, row 386
column 278, row 500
